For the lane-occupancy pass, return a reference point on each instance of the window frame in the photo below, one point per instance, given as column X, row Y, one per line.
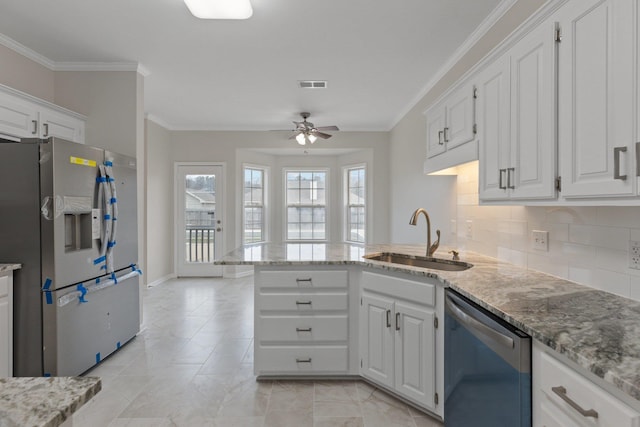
column 265, row 191
column 326, row 205
column 346, row 206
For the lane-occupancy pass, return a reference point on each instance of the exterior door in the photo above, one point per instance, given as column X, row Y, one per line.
column 199, row 219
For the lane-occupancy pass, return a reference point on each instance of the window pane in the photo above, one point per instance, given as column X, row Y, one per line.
column 253, row 200
column 355, row 230
column 306, row 199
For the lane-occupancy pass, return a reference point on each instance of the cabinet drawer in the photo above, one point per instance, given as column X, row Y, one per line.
column 277, row 360
column 303, row 279
column 418, row 292
column 303, row 302
column 304, row 328
column 589, row 396
column 4, row 286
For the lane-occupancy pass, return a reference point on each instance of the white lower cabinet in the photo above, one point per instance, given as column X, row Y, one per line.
column 563, row 397
column 398, row 337
column 6, row 324
column 302, row 323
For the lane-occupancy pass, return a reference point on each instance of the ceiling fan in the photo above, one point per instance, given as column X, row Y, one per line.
column 307, row 133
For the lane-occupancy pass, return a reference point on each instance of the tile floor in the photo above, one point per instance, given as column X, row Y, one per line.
column 192, row 365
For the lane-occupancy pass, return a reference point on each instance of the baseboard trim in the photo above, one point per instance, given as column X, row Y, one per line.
column 161, row 280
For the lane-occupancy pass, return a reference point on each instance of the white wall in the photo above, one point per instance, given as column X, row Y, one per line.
column 159, row 202
column 23, row 74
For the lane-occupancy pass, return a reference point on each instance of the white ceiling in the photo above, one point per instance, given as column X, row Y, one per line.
column 377, row 55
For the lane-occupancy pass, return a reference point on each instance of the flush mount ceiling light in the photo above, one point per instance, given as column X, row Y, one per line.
column 220, row 9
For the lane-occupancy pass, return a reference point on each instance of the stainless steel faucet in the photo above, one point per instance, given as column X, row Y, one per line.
column 414, row 220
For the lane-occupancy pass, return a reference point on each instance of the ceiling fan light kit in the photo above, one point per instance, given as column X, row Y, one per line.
column 220, row 9
column 307, row 133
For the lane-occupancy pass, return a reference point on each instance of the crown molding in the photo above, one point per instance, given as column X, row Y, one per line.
column 26, row 52
column 482, row 29
column 71, row 66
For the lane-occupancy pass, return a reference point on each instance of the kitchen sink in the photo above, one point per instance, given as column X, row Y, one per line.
column 419, row 261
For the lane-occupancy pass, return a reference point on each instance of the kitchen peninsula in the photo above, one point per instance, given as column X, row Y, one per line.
column 595, row 331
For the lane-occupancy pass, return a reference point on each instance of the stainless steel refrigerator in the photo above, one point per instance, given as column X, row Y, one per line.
column 68, row 215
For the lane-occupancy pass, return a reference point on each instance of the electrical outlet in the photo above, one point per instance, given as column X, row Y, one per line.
column 634, row 254
column 469, row 229
column 540, row 240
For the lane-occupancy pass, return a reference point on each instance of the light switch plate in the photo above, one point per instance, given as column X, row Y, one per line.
column 469, row 229
column 634, row 254
column 540, row 240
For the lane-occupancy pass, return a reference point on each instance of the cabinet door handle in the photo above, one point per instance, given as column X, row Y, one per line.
column 307, row 360
column 637, row 158
column 388, row 318
column 398, row 321
column 35, row 127
column 46, row 129
column 562, row 393
column 446, row 134
column 440, row 137
column 303, row 329
column 616, row 163
column 509, row 184
column 500, row 173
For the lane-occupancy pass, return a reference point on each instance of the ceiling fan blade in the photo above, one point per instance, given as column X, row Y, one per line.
column 334, row 128
column 321, row 134
column 294, row 135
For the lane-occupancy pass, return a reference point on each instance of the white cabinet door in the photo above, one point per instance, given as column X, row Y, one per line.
column 493, row 129
column 532, row 165
column 435, row 130
column 53, row 123
column 459, row 117
column 18, row 118
column 415, row 369
column 377, row 323
column 596, row 122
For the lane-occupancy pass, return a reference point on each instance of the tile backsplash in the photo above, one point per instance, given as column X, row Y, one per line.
column 588, row 245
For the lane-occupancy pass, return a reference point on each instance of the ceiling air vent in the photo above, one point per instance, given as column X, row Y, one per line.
column 313, row 84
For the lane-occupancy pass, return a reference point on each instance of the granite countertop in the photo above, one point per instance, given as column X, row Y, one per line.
column 598, row 330
column 9, row 267
column 43, row 402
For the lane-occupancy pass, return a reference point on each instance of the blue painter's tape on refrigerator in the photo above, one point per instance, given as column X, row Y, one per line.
column 83, row 292
column 48, row 297
column 108, row 163
column 118, row 344
column 47, row 374
column 101, row 179
column 99, row 260
column 97, row 358
column 47, row 284
column 111, row 244
column 113, row 200
column 107, row 216
column 114, row 278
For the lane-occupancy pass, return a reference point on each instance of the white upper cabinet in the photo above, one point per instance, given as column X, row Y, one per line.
column 493, row 129
column 516, row 120
column 450, row 122
column 26, row 117
column 597, row 119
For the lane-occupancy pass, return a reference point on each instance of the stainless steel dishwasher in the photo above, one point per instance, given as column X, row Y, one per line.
column 487, row 364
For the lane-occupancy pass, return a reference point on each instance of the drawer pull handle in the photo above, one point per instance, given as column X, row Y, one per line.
column 388, row 318
column 35, row 127
column 308, row 360
column 616, row 163
column 562, row 393
column 303, row 280
column 303, row 302
column 303, row 329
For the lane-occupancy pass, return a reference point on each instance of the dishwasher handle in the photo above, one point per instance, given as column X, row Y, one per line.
column 471, row 322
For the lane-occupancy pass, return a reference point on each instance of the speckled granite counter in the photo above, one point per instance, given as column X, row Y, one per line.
column 597, row 330
column 43, row 402
column 9, row 267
